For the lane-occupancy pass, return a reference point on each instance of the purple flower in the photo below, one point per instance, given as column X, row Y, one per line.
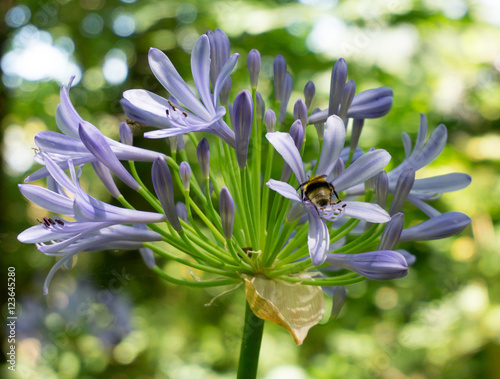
column 419, row 156
column 97, row 224
column 309, row 92
column 195, row 115
column 253, row 64
column 242, row 123
column 373, row 103
column 376, row 265
column 338, row 295
column 441, row 226
column 362, row 169
column 164, row 188
column 62, row 147
column 226, row 207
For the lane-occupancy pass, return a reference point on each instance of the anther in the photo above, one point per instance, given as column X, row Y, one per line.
column 172, row 105
column 59, row 221
column 184, row 113
column 168, row 112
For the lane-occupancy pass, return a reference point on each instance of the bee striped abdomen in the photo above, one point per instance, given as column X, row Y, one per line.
column 319, row 193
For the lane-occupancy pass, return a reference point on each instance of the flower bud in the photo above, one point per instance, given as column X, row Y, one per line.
column 347, row 97
column 270, row 120
column 126, row 136
column 226, row 208
column 243, row 121
column 219, row 52
column 381, row 188
column 148, row 257
column 164, row 188
column 410, row 258
column 226, row 91
column 297, row 134
column 320, row 126
column 287, row 92
column 376, row 265
column 300, row 113
column 253, row 65
column 185, row 174
column 357, row 127
column 338, row 295
column 309, row 92
column 403, row 188
column 279, row 71
column 260, row 106
column 173, row 141
column 337, row 83
column 203, row 154
column 181, row 209
column 392, row 232
column 372, row 103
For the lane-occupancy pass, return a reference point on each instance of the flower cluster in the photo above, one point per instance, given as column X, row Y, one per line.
column 235, row 222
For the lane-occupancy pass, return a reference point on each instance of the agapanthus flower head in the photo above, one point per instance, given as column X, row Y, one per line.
column 229, row 227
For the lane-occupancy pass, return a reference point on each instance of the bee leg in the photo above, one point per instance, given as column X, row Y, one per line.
column 301, row 185
column 336, row 195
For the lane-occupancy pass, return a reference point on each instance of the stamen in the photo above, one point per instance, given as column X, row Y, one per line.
column 184, row 113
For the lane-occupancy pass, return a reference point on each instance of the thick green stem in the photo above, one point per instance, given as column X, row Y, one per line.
column 250, row 345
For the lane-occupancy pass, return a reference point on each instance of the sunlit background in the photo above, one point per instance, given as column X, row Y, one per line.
column 109, row 317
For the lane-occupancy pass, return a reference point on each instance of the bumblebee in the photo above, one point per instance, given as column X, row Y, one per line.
column 319, row 192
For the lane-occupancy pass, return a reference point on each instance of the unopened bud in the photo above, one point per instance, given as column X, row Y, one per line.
column 185, row 174
column 243, row 121
column 226, row 208
column 309, row 92
column 164, row 188
column 126, row 135
column 203, row 154
column 270, row 120
column 253, row 65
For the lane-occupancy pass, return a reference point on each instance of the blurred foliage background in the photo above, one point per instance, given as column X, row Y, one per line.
column 110, row 318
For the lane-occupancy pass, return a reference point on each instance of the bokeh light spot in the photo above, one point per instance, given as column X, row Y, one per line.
column 186, row 13
column 18, row 16
column 124, row 25
column 485, row 147
column 386, row 298
column 163, row 40
column 93, row 79
column 115, row 68
column 463, row 249
column 473, row 300
column 92, row 25
column 34, row 57
column 17, row 155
